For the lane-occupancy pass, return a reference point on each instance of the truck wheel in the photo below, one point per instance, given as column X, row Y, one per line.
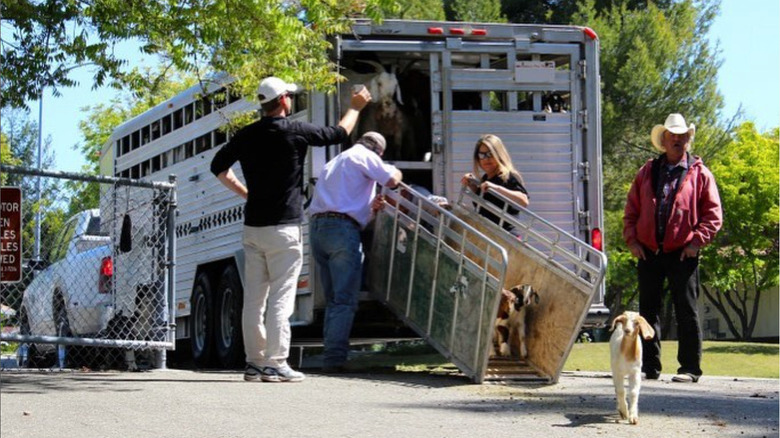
column 229, row 337
column 201, row 335
column 63, row 331
column 27, row 355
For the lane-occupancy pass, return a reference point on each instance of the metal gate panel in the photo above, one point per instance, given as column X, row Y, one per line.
column 543, row 145
column 439, row 275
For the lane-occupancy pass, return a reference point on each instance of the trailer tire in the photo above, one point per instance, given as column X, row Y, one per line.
column 202, row 318
column 229, row 335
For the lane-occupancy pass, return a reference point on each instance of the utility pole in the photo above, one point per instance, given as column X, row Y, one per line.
column 37, row 249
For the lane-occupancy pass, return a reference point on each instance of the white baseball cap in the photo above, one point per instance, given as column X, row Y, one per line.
column 272, row 87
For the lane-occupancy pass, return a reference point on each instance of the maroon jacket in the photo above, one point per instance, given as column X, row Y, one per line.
column 695, row 216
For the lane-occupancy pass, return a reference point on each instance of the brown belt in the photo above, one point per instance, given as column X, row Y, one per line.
column 337, row 215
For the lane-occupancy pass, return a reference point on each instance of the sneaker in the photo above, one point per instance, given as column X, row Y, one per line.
column 282, row 373
column 652, row 375
column 686, row 378
column 252, row 373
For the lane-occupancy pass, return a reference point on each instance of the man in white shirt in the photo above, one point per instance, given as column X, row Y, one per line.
column 340, row 209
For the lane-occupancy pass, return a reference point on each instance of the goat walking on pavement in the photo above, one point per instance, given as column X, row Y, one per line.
column 625, row 348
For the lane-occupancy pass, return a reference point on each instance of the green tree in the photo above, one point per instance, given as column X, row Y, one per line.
column 43, row 41
column 156, row 86
column 19, row 146
column 488, row 11
column 744, row 262
column 527, row 11
column 654, row 61
column 46, row 39
column 6, row 157
column 562, row 11
column 418, row 10
column 21, row 135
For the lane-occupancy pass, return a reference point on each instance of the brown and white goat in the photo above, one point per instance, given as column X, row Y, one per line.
column 509, row 328
column 625, row 347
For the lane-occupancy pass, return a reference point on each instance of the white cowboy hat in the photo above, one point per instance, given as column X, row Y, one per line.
column 675, row 123
column 272, row 87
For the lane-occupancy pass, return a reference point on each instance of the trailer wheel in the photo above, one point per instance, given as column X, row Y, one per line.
column 229, row 337
column 201, row 334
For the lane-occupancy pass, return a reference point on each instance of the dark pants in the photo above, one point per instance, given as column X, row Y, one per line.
column 683, row 279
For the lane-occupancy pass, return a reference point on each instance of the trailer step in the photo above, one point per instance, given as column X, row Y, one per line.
column 507, row 368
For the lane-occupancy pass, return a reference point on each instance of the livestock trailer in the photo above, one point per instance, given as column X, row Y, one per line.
column 535, row 86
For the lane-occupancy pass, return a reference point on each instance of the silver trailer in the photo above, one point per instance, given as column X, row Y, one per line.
column 535, row 86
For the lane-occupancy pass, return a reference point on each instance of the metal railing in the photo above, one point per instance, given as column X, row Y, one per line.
column 441, row 276
column 543, row 239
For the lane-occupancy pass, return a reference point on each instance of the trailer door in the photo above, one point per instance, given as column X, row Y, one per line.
column 528, row 94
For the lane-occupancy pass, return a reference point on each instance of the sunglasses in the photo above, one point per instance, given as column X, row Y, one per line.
column 484, row 155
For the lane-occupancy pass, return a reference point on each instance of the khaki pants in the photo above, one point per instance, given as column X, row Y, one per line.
column 273, row 258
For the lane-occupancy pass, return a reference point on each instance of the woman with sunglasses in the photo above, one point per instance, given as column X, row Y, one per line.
column 492, row 162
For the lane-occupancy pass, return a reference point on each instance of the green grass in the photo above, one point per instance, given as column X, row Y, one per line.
column 738, row 359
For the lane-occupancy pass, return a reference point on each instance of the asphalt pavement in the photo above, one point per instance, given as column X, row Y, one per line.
column 195, row 404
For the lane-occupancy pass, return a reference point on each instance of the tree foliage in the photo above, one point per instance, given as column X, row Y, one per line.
column 418, row 10
column 20, row 139
column 44, row 40
column 102, row 119
column 21, row 135
column 654, row 60
column 6, row 157
column 562, row 11
column 744, row 262
column 487, row 11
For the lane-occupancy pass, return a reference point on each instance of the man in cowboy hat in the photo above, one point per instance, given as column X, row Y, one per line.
column 673, row 210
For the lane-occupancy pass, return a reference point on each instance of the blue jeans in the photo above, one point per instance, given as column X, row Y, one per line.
column 335, row 245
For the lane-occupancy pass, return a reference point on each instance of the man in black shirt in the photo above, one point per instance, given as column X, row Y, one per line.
column 271, row 152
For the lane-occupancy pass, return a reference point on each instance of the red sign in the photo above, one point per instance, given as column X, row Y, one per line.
column 10, row 234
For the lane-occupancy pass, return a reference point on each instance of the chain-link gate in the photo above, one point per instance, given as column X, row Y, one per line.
column 96, row 285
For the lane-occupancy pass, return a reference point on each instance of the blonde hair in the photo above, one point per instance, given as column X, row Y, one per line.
column 499, row 152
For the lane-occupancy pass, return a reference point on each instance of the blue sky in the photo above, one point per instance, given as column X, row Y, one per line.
column 748, row 32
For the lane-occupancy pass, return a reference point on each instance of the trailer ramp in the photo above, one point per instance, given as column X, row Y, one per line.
column 418, row 268
column 565, row 272
column 441, row 271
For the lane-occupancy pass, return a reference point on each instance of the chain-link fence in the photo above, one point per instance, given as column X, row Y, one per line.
column 97, row 268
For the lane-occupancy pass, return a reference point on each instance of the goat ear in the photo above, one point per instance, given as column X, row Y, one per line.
column 645, row 328
column 622, row 319
column 536, row 297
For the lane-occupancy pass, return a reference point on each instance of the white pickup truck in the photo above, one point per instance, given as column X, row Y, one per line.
column 73, row 294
